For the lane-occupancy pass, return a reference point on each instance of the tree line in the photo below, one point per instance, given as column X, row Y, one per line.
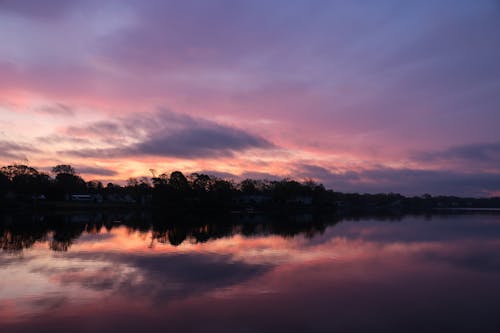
column 22, row 185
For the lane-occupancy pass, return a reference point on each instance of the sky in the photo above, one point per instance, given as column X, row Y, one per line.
column 363, row 96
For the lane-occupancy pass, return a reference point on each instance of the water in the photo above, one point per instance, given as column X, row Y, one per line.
column 129, row 273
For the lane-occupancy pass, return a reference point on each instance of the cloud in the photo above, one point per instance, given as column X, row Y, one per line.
column 36, row 9
column 384, row 180
column 57, row 109
column 58, row 138
column 404, row 180
column 200, row 142
column 482, row 153
column 95, row 171
column 165, row 133
column 16, row 151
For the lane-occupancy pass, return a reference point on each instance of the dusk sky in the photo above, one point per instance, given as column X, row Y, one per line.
column 365, row 96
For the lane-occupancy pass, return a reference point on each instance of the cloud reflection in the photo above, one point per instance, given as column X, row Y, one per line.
column 365, row 273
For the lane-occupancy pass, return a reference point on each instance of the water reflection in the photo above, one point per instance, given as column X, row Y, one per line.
column 62, row 230
column 127, row 272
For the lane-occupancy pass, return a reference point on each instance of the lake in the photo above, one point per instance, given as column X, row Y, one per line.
column 132, row 272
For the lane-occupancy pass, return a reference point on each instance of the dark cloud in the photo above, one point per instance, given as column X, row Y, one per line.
column 318, row 172
column 58, row 138
column 36, row 9
column 200, row 142
column 15, row 151
column 166, row 134
column 448, row 182
column 483, row 153
column 99, row 128
column 57, row 109
column 95, row 171
column 405, row 181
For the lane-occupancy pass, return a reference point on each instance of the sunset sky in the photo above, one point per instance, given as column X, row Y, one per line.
column 365, row 96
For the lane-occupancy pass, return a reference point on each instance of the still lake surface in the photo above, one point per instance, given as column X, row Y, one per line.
column 132, row 273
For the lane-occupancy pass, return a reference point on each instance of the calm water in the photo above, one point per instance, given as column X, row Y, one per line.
column 125, row 273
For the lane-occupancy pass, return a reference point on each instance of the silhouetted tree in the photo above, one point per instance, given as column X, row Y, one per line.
column 248, row 186
column 286, row 189
column 25, row 180
column 15, row 170
column 178, row 181
column 64, row 168
column 95, row 186
column 4, row 183
column 200, row 183
column 67, row 181
column 161, row 180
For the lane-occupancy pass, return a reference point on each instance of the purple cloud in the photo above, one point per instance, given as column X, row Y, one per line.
column 57, row 109
column 406, row 181
column 477, row 154
column 15, row 151
column 36, row 9
column 96, row 170
column 165, row 134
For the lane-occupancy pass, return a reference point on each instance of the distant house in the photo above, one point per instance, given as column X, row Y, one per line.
column 81, row 197
column 86, row 197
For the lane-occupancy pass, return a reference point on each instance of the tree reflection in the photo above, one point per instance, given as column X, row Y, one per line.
column 21, row 234
column 61, row 231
